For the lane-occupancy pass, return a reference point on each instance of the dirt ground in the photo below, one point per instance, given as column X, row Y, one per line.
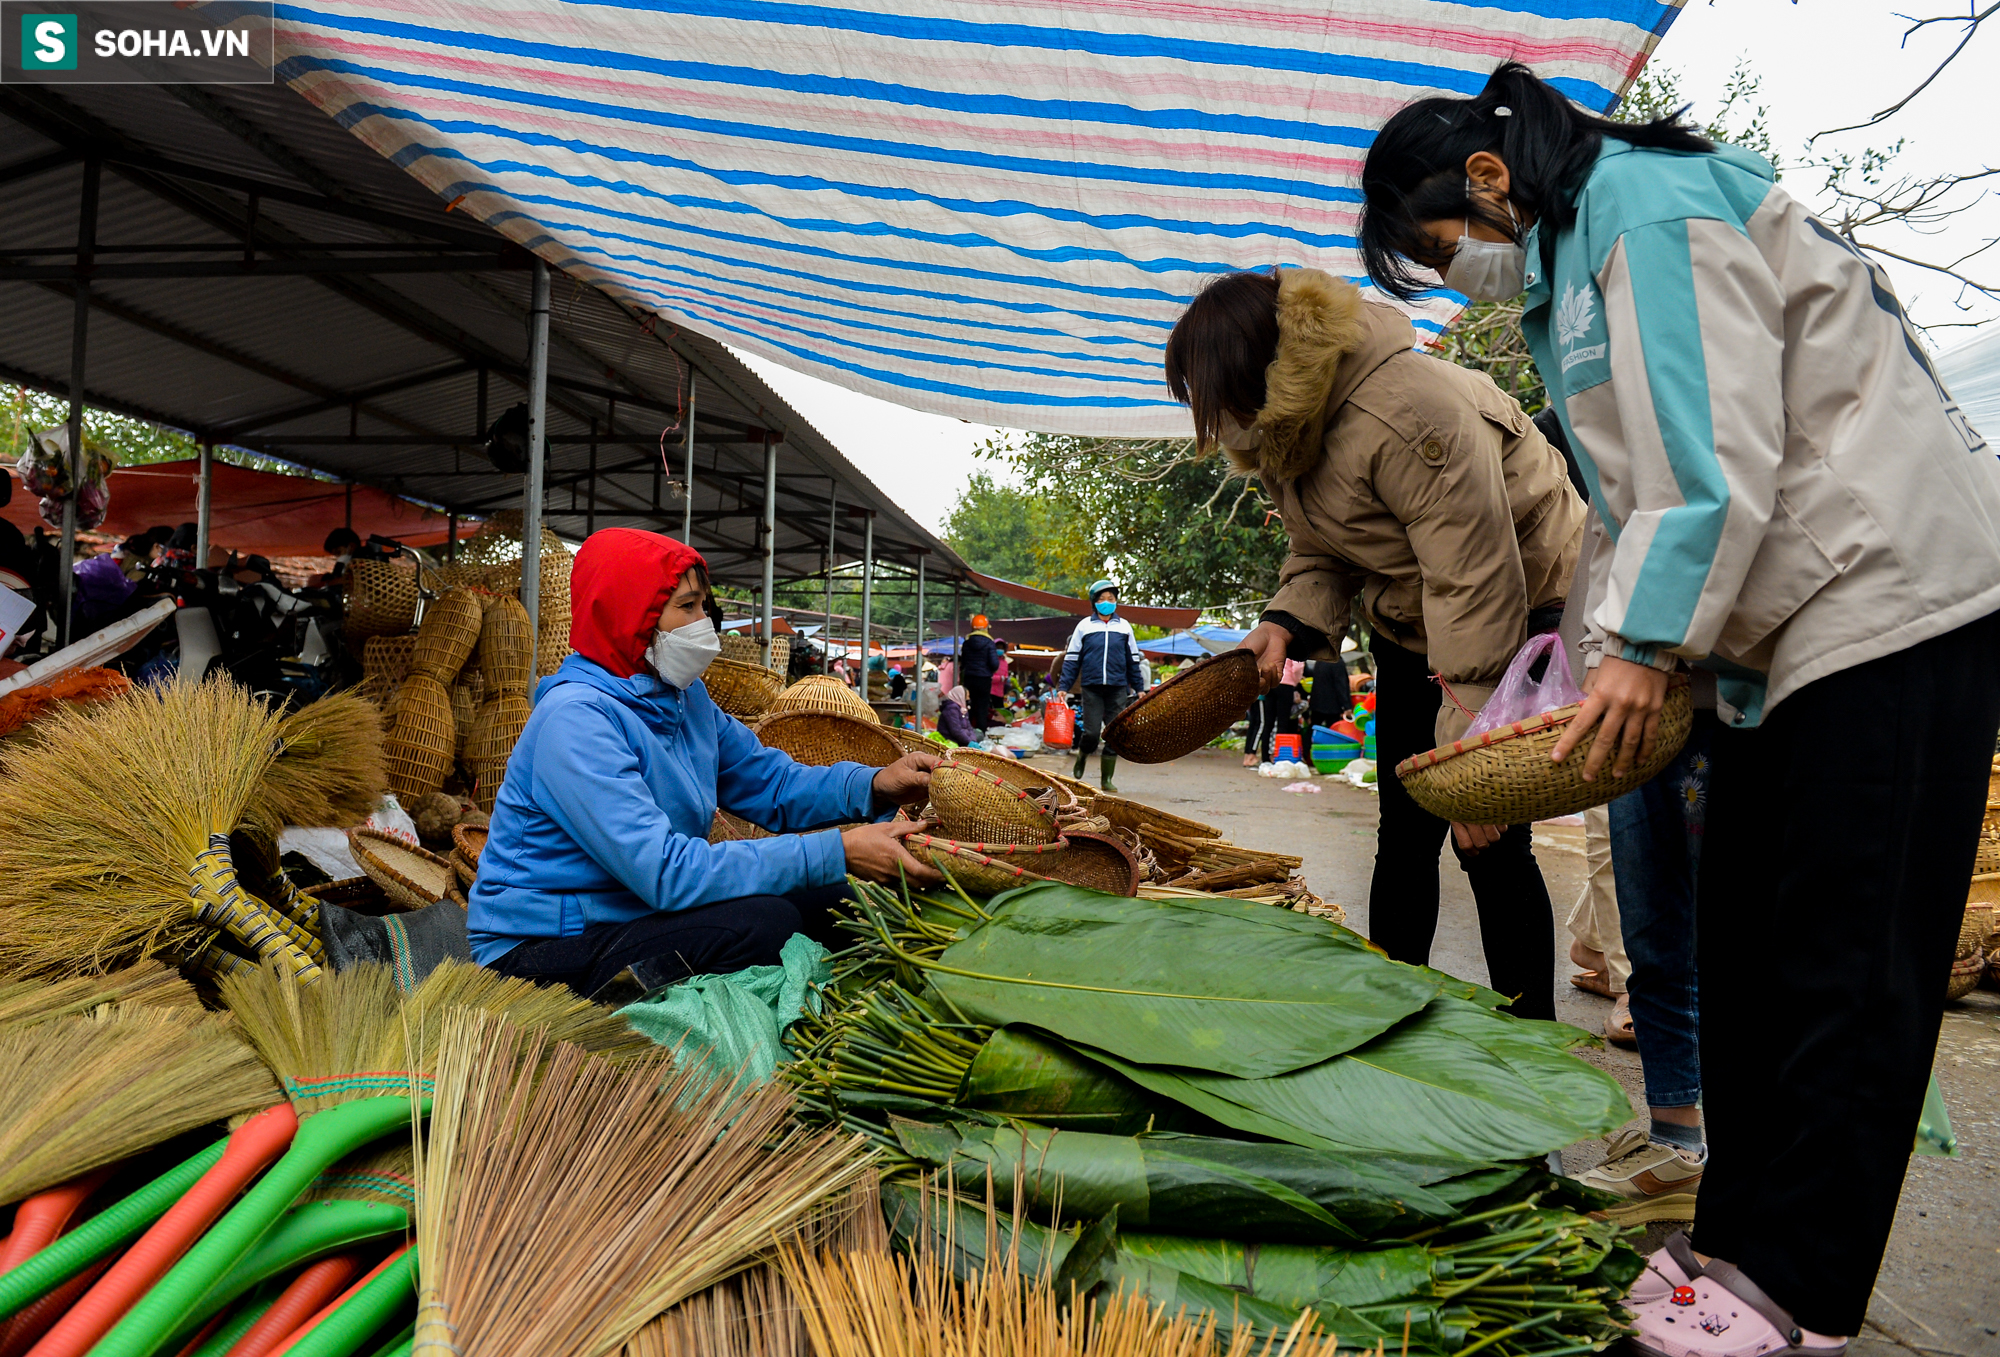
column 1939, row 1289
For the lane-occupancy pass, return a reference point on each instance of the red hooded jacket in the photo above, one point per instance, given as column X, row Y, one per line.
column 618, row 587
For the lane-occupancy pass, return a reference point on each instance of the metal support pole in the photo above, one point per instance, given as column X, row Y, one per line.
column 687, row 494
column 918, row 665
column 203, row 498
column 349, row 520
column 531, row 490
column 770, row 537
column 86, row 253
column 590, row 507
column 867, row 593
column 832, row 546
column 451, row 537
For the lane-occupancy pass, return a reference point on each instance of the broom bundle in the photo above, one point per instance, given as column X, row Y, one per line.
column 635, row 1186
column 118, row 844
column 329, row 770
column 26, row 1002
column 80, row 1092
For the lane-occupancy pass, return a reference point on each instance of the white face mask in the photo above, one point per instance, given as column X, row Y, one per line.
column 682, row 655
column 1488, row 270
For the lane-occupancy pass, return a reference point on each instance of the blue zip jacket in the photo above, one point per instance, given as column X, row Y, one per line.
column 609, row 795
column 1105, row 653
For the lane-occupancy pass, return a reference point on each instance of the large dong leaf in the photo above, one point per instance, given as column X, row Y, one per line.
column 1457, row 1080
column 1228, row 986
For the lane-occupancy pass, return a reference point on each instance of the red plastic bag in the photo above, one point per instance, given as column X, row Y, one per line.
column 1521, row 696
column 1058, row 723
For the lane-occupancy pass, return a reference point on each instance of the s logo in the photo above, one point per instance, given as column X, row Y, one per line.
column 48, row 42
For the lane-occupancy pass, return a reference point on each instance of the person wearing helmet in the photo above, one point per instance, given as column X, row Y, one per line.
column 978, row 662
column 1103, row 656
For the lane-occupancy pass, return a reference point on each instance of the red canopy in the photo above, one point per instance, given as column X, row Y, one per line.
column 249, row 511
column 1174, row 619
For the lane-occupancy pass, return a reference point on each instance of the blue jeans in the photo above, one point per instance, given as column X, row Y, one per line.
column 1656, row 836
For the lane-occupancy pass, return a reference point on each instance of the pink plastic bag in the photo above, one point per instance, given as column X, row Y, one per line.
column 1519, row 697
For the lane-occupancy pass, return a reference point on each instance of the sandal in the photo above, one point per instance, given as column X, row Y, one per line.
column 1672, row 1264
column 1722, row 1313
column 1618, row 1027
column 1595, row 977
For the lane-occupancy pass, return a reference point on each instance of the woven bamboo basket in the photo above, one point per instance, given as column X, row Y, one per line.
column 1987, row 861
column 977, row 805
column 1099, row 862
column 410, row 876
column 1965, row 976
column 824, row 693
column 727, row 828
column 920, row 744
column 750, row 650
column 358, row 893
column 1012, row 771
column 420, row 749
column 818, row 739
column 381, row 600
column 1505, row 777
column 495, row 731
column 1137, row 816
column 1187, row 711
column 506, row 646
column 466, row 872
column 469, row 841
column 448, row 636
column 385, row 661
column 466, row 695
column 745, row 691
column 984, row 868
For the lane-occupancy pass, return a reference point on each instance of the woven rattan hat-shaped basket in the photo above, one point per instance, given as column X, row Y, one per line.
column 1100, row 862
column 825, row 693
column 1505, row 777
column 819, row 739
column 745, row 691
column 978, row 806
column 1187, row 711
column 408, row 875
column 983, row 868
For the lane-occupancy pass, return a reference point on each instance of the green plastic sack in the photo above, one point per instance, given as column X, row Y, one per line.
column 736, row 1021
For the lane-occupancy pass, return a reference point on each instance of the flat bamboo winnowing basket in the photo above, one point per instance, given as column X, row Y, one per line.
column 1187, row 711
column 1505, row 777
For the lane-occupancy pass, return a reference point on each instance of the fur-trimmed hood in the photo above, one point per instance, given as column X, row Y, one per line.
column 1329, row 339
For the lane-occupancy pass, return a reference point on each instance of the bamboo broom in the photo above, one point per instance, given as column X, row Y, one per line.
column 637, row 1187
column 119, row 844
column 347, row 1050
column 329, row 769
column 77, row 1093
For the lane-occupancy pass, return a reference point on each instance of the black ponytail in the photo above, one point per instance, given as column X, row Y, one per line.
column 1416, row 168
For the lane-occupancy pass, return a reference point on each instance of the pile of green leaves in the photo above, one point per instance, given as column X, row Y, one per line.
column 1250, row 1110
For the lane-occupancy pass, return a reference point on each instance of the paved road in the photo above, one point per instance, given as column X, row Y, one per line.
column 1939, row 1291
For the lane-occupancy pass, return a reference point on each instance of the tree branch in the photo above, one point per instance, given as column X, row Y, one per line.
column 1971, row 20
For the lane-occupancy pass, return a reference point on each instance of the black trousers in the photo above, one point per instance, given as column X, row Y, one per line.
column 980, row 689
column 1831, row 889
column 1516, row 924
column 1100, row 704
column 663, row 948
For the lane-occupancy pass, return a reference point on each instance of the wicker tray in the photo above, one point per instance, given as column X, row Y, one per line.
column 977, row 805
column 1187, row 711
column 823, row 693
column 466, row 872
column 1100, row 862
column 745, row 691
column 983, row 868
column 412, row 877
column 818, row 739
column 358, row 893
column 469, row 841
column 1505, row 777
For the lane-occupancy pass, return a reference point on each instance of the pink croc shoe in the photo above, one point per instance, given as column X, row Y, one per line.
column 1722, row 1313
column 1672, row 1265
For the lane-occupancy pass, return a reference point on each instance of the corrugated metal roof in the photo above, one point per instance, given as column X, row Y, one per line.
column 376, row 377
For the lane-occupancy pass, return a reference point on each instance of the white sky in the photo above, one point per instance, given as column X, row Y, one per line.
column 1823, row 62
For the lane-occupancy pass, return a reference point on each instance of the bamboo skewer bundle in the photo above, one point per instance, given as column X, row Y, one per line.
column 637, row 1187
column 119, row 845
column 80, row 1092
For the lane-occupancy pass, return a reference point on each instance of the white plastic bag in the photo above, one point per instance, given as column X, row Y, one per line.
column 1520, row 696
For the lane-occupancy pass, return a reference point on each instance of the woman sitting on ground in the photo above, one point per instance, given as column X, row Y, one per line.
column 953, row 723
column 598, row 859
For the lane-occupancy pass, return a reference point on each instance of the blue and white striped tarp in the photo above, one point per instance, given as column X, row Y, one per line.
column 989, row 210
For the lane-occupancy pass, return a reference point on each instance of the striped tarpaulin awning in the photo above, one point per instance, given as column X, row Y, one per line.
column 987, row 210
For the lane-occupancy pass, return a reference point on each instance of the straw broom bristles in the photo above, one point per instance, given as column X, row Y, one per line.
column 329, row 770
column 79, row 1092
column 23, row 1002
column 112, row 807
column 634, row 1186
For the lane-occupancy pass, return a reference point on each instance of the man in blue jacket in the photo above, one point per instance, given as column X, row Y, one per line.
column 598, row 859
column 1104, row 654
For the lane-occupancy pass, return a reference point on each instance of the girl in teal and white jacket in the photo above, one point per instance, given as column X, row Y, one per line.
column 1795, row 503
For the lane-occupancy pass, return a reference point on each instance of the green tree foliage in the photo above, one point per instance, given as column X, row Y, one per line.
column 131, row 442
column 1003, row 530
